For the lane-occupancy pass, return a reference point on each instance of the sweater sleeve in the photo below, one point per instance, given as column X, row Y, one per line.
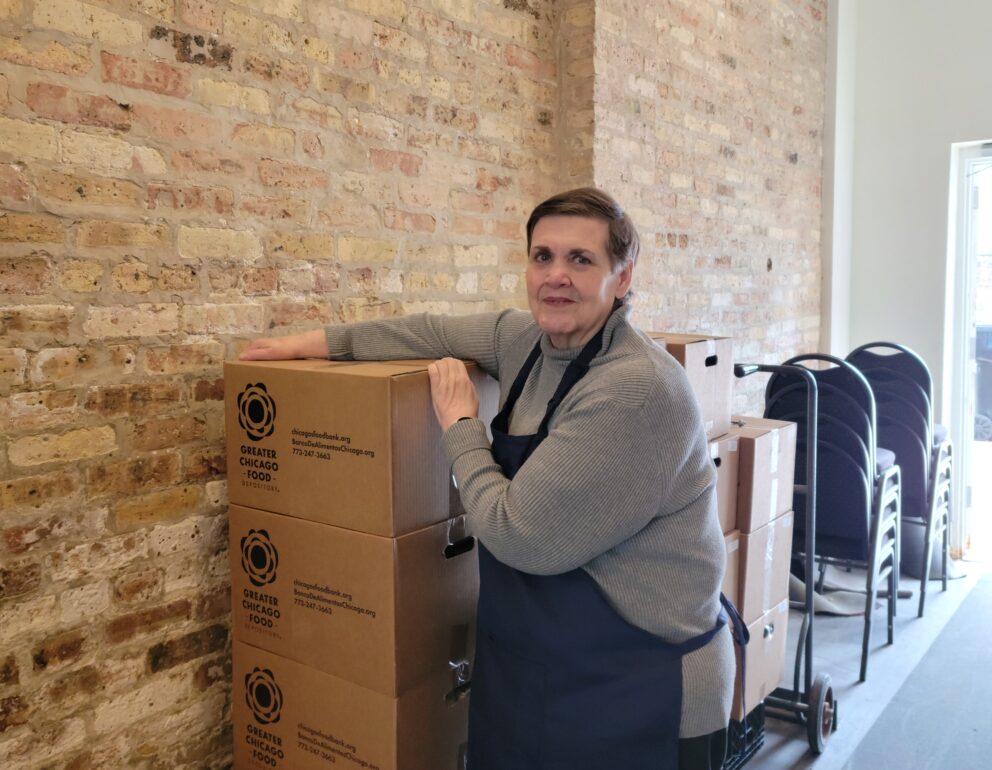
column 605, row 470
column 476, row 338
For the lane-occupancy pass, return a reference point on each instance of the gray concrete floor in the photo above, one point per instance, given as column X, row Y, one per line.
column 837, row 649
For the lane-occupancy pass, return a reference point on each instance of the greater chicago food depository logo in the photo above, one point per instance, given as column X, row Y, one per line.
column 256, row 412
column 263, row 696
column 259, row 558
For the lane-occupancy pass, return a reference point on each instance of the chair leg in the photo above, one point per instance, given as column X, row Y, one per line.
column 928, row 528
column 947, row 533
column 870, row 588
column 893, row 594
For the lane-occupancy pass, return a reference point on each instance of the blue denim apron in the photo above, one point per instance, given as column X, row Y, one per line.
column 561, row 681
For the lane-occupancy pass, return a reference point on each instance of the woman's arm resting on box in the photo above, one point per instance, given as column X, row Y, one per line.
column 307, row 345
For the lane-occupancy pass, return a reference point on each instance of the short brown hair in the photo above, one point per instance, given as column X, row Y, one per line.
column 622, row 243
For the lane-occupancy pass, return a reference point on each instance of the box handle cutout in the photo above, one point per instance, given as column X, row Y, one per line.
column 457, row 549
column 458, row 693
column 711, row 361
column 769, row 631
column 717, row 462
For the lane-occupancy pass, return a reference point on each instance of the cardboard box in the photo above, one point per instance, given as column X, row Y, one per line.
column 766, row 470
column 731, row 577
column 385, row 613
column 765, row 659
column 352, row 444
column 289, row 716
column 764, row 575
column 723, row 451
column 709, row 363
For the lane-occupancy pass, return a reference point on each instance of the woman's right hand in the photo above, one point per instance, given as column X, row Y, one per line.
column 307, row 345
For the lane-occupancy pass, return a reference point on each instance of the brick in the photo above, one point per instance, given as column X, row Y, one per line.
column 468, row 226
column 83, row 602
column 226, row 94
column 265, row 140
column 25, row 275
column 136, row 400
column 128, row 626
column 259, row 280
column 340, row 23
column 10, row 8
column 190, row 48
column 14, row 184
column 95, row 363
column 257, row 32
column 422, row 193
column 160, row 9
column 147, row 319
column 144, row 510
column 177, row 125
column 63, row 447
column 154, row 76
column 216, row 200
column 282, row 70
column 37, row 491
column 13, row 364
column 131, row 277
column 4, row 92
column 300, row 245
column 399, row 43
column 209, row 390
column 139, row 587
column 14, row 711
column 50, row 320
column 168, row 432
column 366, row 250
column 341, row 212
column 201, row 14
column 186, row 648
column 30, row 228
column 59, row 103
column 216, row 604
column 298, row 280
column 80, row 275
column 286, row 9
column 472, row 202
column 50, row 55
column 128, row 476
column 371, row 125
column 96, row 153
column 72, row 690
column 291, row 175
column 324, row 115
column 216, row 243
column 409, row 221
column 312, row 144
column 42, row 532
column 88, row 190
column 9, row 673
column 178, row 278
column 223, row 319
column 101, row 233
column 204, row 464
column 280, row 209
column 105, row 556
column 184, row 359
column 476, row 256
column 18, row 579
column 319, row 50
column 86, row 21
column 389, row 160
column 209, row 161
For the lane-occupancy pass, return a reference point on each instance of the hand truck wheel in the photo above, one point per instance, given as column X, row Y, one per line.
column 820, row 719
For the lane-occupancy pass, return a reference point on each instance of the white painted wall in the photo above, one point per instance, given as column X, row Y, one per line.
column 923, row 82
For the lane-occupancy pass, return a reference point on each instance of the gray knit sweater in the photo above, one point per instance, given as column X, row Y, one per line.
column 622, row 487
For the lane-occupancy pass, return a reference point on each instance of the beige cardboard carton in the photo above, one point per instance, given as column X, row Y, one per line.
column 765, row 658
column 385, row 613
column 709, row 363
column 764, row 576
column 723, row 451
column 766, row 470
column 731, row 577
column 289, row 716
column 351, row 444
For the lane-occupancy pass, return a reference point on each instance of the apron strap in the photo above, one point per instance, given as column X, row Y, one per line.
column 741, row 638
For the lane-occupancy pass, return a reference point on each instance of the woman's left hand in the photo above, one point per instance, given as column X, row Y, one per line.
column 452, row 392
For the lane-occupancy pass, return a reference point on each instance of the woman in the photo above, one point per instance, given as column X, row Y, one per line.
column 601, row 641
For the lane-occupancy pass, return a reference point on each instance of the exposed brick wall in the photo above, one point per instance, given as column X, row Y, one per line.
column 709, row 119
column 175, row 179
column 179, row 177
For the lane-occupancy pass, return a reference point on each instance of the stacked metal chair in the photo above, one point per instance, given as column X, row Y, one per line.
column 857, row 484
column 903, row 389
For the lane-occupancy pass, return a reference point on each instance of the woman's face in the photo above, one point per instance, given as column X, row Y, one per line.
column 571, row 284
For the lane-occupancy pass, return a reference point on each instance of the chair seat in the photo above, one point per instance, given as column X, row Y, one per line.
column 939, row 433
column 884, row 459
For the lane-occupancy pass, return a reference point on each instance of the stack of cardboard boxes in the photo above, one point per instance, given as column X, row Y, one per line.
column 354, row 587
column 755, row 461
